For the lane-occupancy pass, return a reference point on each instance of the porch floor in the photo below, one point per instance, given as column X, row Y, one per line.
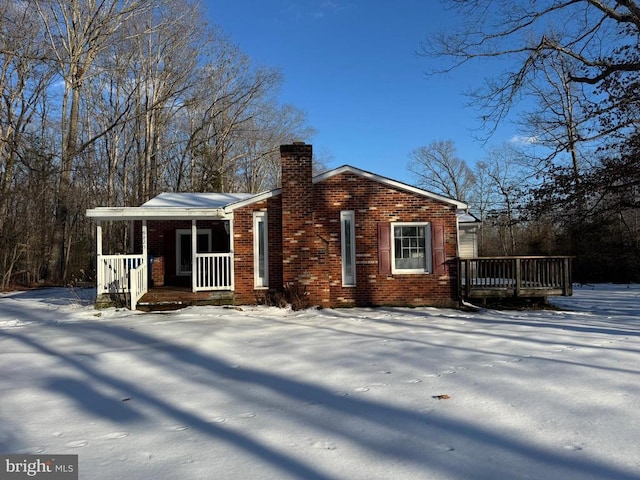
column 173, row 298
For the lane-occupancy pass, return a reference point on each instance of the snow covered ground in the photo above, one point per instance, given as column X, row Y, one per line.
column 266, row 393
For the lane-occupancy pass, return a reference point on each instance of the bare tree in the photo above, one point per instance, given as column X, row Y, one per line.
column 259, row 167
column 107, row 102
column 597, row 38
column 507, row 176
column 24, row 79
column 438, row 168
column 77, row 31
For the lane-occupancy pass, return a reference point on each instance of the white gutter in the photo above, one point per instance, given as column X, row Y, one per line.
column 155, row 213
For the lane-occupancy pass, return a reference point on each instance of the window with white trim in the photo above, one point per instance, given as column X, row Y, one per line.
column 348, row 242
column 260, row 250
column 411, row 248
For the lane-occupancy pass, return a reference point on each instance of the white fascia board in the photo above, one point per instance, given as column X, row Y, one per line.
column 155, row 213
column 390, row 183
column 256, row 198
column 356, row 171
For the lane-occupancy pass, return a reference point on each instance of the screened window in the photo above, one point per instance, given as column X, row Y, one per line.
column 411, row 247
column 347, row 233
column 260, row 250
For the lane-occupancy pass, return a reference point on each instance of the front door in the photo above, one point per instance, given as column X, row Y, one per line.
column 183, row 248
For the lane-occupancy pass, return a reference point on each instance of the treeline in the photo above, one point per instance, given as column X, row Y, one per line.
column 572, row 185
column 529, row 209
column 109, row 102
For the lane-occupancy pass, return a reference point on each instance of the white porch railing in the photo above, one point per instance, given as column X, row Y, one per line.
column 214, row 271
column 129, row 274
column 113, row 272
column 138, row 284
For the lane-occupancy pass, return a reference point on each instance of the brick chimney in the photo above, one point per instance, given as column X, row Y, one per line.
column 297, row 213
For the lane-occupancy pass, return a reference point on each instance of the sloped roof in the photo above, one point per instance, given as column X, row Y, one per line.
column 361, row 173
column 171, row 205
column 220, row 205
column 195, row 200
column 466, row 217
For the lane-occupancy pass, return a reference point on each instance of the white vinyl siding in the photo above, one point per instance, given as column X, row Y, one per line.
column 260, row 250
column 468, row 241
column 348, row 242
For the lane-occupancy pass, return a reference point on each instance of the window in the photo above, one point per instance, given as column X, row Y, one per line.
column 411, row 248
column 183, row 248
column 260, row 250
column 347, row 237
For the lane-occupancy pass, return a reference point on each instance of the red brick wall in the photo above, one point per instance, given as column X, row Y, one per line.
column 161, row 239
column 303, row 252
column 317, row 259
column 157, row 271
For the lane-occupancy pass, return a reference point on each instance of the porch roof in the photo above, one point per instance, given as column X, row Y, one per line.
column 467, row 218
column 168, row 206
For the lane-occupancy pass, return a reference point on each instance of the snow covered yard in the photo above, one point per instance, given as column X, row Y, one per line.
column 265, row 393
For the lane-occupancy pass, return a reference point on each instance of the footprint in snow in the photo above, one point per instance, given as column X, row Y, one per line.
column 31, row 451
column 445, row 447
column 412, row 380
column 247, row 415
column 574, row 448
column 361, row 389
column 324, row 445
column 115, row 435
column 178, row 428
column 77, row 444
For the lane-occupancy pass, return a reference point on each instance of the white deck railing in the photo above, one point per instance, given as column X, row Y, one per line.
column 113, row 272
column 214, row 271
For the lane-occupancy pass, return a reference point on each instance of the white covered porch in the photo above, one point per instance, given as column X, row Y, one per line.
column 128, row 274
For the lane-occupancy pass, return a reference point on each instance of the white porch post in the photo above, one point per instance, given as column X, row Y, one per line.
column 231, row 250
column 99, row 269
column 145, row 256
column 194, row 250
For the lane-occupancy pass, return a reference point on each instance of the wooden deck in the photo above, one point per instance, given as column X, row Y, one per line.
column 172, row 298
column 500, row 277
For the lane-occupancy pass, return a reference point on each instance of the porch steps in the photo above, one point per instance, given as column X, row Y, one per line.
column 174, row 298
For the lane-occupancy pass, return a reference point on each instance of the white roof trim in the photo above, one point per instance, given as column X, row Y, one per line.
column 362, row 173
column 389, row 182
column 222, row 205
column 256, row 198
column 195, row 200
column 170, row 206
column 155, row 213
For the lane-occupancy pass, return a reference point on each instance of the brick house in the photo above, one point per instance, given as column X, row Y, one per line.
column 347, row 237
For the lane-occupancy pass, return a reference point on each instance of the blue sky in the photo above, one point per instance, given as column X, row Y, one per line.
column 352, row 67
